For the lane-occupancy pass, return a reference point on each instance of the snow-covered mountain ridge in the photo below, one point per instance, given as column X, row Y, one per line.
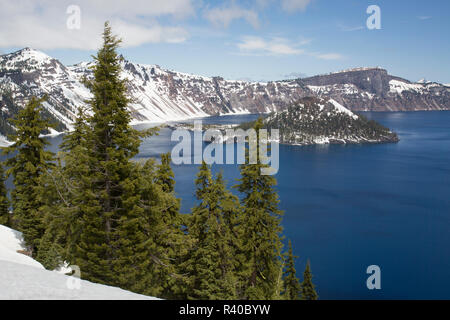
column 373, row 89
column 160, row 95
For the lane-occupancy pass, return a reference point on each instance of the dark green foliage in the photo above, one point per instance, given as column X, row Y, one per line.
column 211, row 263
column 291, row 284
column 165, row 243
column 260, row 253
column 28, row 163
column 110, row 215
column 116, row 219
column 4, row 202
column 49, row 254
column 65, row 191
column 308, row 288
column 165, row 177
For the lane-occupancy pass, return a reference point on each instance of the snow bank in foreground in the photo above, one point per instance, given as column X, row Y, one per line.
column 18, row 281
column 21, row 277
column 10, row 242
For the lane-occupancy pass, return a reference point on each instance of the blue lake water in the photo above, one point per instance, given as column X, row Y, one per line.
column 349, row 207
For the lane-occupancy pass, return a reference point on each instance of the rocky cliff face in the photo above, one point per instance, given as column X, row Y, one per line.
column 373, row 89
column 162, row 95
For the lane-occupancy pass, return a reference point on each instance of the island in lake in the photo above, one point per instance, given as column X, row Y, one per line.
column 313, row 120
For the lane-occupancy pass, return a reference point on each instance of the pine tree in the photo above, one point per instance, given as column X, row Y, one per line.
column 165, row 176
column 29, row 162
column 308, row 288
column 78, row 137
column 291, row 283
column 65, row 191
column 172, row 239
column 165, row 240
column 113, row 239
column 110, row 214
column 260, row 259
column 210, row 265
column 4, row 202
column 49, row 254
column 229, row 241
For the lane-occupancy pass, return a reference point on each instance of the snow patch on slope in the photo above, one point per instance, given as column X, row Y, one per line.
column 397, row 86
column 11, row 242
column 342, row 109
column 23, row 278
column 22, row 282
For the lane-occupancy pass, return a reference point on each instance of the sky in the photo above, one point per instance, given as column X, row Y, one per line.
column 259, row 40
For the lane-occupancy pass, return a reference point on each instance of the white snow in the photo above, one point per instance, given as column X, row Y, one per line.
column 341, row 108
column 10, row 243
column 397, row 86
column 423, row 81
column 4, row 141
column 23, row 278
column 22, row 282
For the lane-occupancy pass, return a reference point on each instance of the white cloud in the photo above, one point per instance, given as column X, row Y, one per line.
column 42, row 23
column 273, row 46
column 278, row 46
column 424, row 17
column 223, row 16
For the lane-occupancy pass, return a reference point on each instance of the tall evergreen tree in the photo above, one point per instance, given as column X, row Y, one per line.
column 29, row 161
column 65, row 192
column 166, row 241
column 308, row 288
column 111, row 217
column 119, row 218
column 210, row 265
column 260, row 263
column 291, row 283
column 165, row 176
column 4, row 202
column 229, row 236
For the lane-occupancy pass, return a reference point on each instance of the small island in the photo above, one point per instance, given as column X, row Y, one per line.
column 314, row 120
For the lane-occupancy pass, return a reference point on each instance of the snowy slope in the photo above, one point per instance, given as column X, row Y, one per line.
column 10, row 243
column 29, row 72
column 373, row 89
column 340, row 108
column 157, row 94
column 22, row 282
column 21, row 277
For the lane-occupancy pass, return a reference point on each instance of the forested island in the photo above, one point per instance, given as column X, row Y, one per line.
column 314, row 120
